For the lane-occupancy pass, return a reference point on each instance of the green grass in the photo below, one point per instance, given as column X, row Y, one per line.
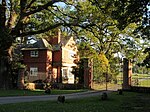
column 145, row 83
column 16, row 92
column 128, row 102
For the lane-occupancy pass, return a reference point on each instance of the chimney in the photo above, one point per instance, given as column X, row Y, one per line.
column 59, row 35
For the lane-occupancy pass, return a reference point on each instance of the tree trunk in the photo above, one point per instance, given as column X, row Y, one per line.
column 6, row 40
column 5, row 75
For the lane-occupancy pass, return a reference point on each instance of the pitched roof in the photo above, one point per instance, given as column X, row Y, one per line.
column 40, row 44
column 65, row 40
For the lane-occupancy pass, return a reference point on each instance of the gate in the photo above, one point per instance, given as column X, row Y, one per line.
column 141, row 80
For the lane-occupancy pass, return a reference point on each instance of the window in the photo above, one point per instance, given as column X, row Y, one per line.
column 65, row 74
column 70, row 72
column 71, row 54
column 33, row 71
column 34, row 53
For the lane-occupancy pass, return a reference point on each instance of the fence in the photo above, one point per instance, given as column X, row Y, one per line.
column 140, row 80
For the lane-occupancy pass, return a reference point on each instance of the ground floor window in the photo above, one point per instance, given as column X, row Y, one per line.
column 64, row 73
column 33, row 71
column 67, row 76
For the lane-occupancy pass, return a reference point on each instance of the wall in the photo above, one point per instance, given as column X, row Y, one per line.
column 42, row 62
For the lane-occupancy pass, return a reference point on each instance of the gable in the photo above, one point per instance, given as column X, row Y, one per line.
column 71, row 44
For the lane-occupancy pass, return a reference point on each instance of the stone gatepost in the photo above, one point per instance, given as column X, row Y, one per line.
column 88, row 73
column 127, row 73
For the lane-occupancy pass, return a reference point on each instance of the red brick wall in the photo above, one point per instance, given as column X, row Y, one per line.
column 42, row 56
column 57, row 59
column 42, row 62
column 53, row 40
column 57, row 56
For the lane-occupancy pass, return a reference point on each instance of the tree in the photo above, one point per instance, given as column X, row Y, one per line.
column 133, row 11
column 100, row 19
column 21, row 18
column 115, row 29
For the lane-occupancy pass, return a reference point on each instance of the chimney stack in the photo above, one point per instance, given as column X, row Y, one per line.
column 59, row 35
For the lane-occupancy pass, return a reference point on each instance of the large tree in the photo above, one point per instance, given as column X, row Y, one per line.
column 114, row 32
column 133, row 11
column 21, row 18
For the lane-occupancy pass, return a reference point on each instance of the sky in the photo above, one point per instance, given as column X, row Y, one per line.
column 60, row 4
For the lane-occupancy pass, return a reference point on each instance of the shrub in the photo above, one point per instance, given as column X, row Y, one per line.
column 120, row 92
column 104, row 96
column 30, row 86
column 61, row 99
column 48, row 91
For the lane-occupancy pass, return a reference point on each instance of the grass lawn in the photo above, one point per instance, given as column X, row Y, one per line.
column 145, row 83
column 16, row 92
column 128, row 102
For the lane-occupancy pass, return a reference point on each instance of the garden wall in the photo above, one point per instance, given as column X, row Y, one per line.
column 140, row 89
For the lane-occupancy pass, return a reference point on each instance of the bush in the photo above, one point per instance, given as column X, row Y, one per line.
column 120, row 92
column 30, row 86
column 39, row 84
column 48, row 91
column 104, row 96
column 61, row 99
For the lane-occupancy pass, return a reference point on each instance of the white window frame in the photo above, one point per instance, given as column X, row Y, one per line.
column 33, row 71
column 71, row 54
column 70, row 72
column 65, row 72
column 34, row 53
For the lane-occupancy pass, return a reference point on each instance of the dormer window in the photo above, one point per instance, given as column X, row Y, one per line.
column 34, row 53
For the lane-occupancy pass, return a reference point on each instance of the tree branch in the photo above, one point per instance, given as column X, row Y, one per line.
column 57, row 16
column 42, row 7
column 50, row 28
column 30, row 4
column 63, row 13
column 19, row 26
column 39, row 31
column 12, row 17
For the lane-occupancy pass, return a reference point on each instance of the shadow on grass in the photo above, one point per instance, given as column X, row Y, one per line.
column 128, row 102
column 17, row 92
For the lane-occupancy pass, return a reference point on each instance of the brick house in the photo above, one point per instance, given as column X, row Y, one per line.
column 52, row 59
column 38, row 59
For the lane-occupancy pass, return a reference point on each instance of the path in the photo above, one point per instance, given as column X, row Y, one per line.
column 17, row 99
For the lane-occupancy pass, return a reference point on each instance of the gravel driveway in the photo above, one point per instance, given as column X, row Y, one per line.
column 17, row 99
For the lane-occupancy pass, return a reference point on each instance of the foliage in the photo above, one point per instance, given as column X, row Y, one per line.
column 130, row 11
column 137, row 12
column 101, row 68
column 146, row 61
column 97, row 70
column 107, row 25
column 112, row 34
column 104, row 61
column 78, row 71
